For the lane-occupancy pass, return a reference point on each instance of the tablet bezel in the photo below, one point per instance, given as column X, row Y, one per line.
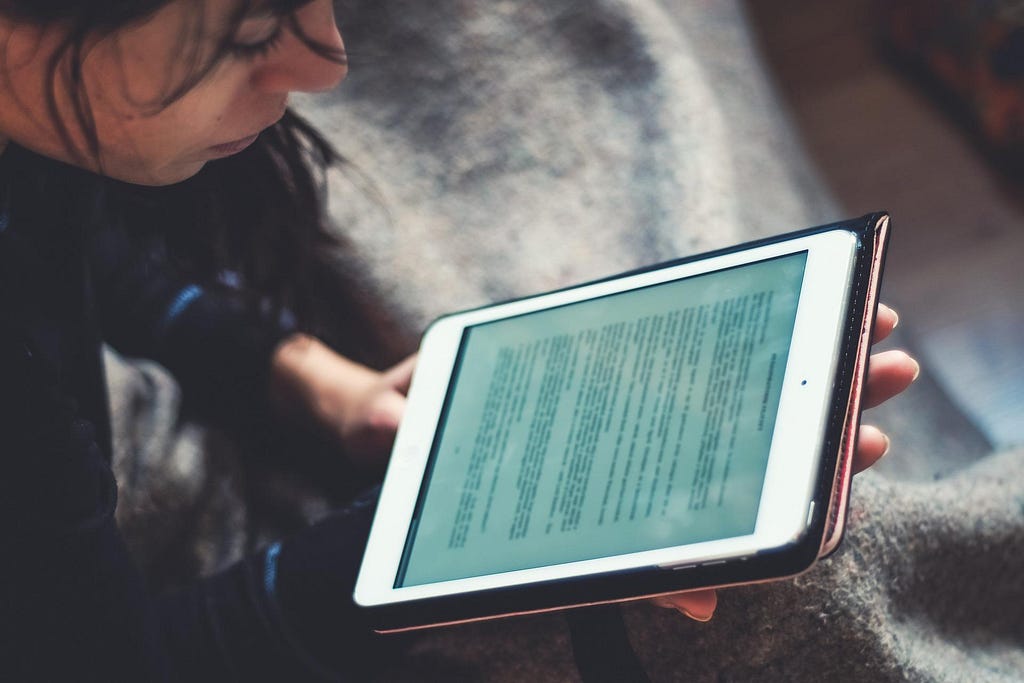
column 790, row 480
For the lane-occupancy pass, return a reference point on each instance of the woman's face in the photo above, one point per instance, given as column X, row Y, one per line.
column 127, row 74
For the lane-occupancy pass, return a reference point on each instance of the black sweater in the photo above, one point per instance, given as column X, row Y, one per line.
column 72, row 604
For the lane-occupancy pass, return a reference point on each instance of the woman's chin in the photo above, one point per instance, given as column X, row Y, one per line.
column 171, row 174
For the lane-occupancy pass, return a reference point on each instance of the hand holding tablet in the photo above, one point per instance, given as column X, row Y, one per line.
column 889, row 374
column 684, row 426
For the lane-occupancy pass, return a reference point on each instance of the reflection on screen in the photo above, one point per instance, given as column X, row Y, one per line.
column 636, row 421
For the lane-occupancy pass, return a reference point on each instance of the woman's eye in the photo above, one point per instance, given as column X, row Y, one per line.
column 257, row 36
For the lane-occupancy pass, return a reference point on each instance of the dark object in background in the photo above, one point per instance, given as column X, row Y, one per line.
column 971, row 53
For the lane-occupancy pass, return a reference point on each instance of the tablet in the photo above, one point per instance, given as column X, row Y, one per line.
column 682, row 426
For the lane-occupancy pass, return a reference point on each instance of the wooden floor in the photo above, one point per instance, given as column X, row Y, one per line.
column 956, row 267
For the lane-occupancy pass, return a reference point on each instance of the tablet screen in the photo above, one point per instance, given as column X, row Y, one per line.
column 630, row 422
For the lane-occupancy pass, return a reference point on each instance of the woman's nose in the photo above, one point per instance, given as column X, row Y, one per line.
column 311, row 57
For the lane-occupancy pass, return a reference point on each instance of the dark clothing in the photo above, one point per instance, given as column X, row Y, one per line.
column 72, row 604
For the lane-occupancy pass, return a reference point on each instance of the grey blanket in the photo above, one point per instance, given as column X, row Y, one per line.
column 502, row 148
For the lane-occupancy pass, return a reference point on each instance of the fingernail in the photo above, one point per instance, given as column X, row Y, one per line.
column 884, row 307
column 917, row 370
column 697, row 617
column 888, row 445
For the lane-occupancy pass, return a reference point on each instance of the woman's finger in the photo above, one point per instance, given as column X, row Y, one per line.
column 889, row 373
column 885, row 322
column 872, row 444
column 699, row 605
column 399, row 376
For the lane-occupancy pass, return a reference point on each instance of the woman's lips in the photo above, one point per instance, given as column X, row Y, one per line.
column 229, row 148
column 236, row 146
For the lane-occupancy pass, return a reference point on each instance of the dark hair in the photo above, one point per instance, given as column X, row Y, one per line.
column 279, row 247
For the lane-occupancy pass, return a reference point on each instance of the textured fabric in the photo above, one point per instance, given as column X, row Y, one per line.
column 510, row 148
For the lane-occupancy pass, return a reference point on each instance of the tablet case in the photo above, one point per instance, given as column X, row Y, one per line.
column 828, row 520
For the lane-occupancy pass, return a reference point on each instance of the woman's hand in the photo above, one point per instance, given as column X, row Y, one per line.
column 359, row 406
column 889, row 373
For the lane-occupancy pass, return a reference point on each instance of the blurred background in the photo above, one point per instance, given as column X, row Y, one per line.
column 918, row 108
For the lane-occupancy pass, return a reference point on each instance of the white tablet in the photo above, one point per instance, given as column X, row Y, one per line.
column 677, row 427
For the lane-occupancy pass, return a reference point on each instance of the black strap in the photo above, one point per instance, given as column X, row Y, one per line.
column 601, row 647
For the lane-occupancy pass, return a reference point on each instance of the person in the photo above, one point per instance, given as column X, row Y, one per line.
column 165, row 124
